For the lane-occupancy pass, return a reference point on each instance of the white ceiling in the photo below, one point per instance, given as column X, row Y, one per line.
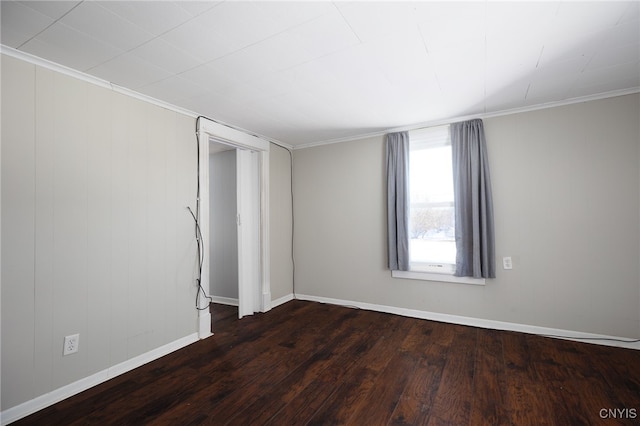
column 304, row 72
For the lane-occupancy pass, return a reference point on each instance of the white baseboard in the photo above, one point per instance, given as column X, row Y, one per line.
column 482, row 323
column 29, row 407
column 224, row 300
column 281, row 300
column 266, row 302
column 204, row 324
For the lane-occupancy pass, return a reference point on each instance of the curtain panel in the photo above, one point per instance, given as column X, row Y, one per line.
column 475, row 241
column 397, row 159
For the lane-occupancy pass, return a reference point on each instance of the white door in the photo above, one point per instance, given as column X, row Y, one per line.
column 248, row 199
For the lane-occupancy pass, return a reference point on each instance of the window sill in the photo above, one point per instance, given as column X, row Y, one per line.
column 428, row 276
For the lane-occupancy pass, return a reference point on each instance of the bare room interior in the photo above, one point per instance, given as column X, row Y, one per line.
column 320, row 212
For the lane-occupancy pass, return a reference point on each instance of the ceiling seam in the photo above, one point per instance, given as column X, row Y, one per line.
column 51, row 24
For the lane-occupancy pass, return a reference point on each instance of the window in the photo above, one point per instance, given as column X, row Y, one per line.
column 439, row 204
column 432, row 246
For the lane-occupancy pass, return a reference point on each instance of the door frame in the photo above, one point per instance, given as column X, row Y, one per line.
column 208, row 130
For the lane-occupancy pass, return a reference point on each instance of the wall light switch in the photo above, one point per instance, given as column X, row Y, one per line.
column 507, row 263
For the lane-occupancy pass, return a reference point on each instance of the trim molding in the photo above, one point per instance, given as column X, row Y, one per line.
column 208, row 130
column 29, row 407
column 282, row 300
column 571, row 101
column 88, row 78
column 432, row 276
column 234, row 302
column 266, row 298
column 225, row 300
column 18, row 54
column 204, row 324
column 481, row 323
column 53, row 66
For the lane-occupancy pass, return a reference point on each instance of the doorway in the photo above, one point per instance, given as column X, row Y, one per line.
column 223, row 232
column 252, row 217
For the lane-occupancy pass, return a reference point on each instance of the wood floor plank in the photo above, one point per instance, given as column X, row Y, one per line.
column 563, row 371
column 452, row 404
column 310, row 348
column 383, row 397
column 242, row 383
column 354, row 389
column 430, row 341
column 526, row 397
column 620, row 370
column 338, row 351
column 310, row 363
column 320, row 391
column 488, row 406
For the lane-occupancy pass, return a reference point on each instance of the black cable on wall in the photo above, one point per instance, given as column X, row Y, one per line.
column 198, row 232
column 293, row 259
column 199, row 238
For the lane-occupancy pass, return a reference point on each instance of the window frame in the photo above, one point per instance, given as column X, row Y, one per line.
column 431, row 276
column 420, row 139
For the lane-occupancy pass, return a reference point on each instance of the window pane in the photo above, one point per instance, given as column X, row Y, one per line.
column 431, row 175
column 432, row 238
column 431, row 222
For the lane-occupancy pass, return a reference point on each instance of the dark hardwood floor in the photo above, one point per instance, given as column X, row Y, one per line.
column 317, row 364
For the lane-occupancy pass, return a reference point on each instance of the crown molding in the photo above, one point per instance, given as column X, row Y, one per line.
column 9, row 51
column 500, row 113
column 53, row 66
column 44, row 63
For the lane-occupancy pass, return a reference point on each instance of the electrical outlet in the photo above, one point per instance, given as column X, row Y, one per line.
column 71, row 344
column 507, row 263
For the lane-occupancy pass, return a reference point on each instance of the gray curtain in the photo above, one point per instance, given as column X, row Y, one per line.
column 475, row 243
column 397, row 156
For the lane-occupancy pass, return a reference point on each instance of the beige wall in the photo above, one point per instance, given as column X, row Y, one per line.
column 280, row 222
column 96, row 238
column 566, row 188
